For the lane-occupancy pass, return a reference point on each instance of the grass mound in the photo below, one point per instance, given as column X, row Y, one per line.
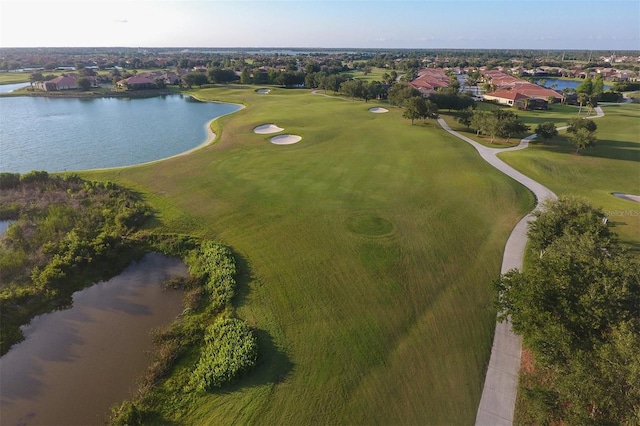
column 369, row 225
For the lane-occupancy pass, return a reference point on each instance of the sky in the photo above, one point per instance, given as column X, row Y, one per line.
column 460, row 24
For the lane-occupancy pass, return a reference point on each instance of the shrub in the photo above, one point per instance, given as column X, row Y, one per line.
column 230, row 350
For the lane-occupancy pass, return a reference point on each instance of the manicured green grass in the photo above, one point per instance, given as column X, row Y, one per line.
column 14, row 77
column 375, row 74
column 366, row 251
column 557, row 114
column 612, row 166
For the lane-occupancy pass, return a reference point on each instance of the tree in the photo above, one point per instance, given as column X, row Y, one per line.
column 352, row 88
column 509, row 125
column 586, row 87
column 35, row 77
column 399, row 92
column 598, row 86
column 580, row 123
column 84, row 83
column 583, row 139
column 547, row 130
column 431, row 110
column 245, row 78
column 582, row 99
column 189, row 80
column 414, row 108
column 577, row 307
column 200, row 79
column 464, row 116
column 483, row 122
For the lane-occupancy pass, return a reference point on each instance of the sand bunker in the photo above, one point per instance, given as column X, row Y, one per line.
column 378, row 110
column 266, row 129
column 628, row 197
column 286, row 139
column 263, row 91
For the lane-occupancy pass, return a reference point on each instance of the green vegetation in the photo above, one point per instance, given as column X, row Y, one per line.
column 577, row 307
column 597, row 173
column 388, row 324
column 66, row 233
column 230, row 349
column 204, row 348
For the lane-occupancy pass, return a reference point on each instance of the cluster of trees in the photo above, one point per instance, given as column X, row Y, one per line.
column 577, row 308
column 61, row 228
column 363, row 89
column 589, row 92
column 582, row 132
column 497, row 123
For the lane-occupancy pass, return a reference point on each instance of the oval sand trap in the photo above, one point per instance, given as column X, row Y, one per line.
column 266, row 129
column 378, row 110
column 627, row 197
column 263, row 91
column 286, row 139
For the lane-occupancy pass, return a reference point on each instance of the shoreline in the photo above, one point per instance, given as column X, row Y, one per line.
column 209, row 139
column 71, row 94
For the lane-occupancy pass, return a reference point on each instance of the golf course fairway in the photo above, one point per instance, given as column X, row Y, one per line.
column 366, row 253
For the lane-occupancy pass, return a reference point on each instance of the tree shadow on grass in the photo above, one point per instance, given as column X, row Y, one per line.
column 608, row 149
column 273, row 366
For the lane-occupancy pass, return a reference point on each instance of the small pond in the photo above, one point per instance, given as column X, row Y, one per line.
column 74, row 364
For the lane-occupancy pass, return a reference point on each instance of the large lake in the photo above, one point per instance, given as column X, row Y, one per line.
column 60, row 134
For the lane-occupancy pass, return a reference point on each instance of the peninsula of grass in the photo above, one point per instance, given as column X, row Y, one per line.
column 612, row 166
column 365, row 253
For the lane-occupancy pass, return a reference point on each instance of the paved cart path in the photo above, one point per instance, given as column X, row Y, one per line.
column 501, row 382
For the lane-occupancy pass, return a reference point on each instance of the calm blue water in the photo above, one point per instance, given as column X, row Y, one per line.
column 38, row 133
column 565, row 84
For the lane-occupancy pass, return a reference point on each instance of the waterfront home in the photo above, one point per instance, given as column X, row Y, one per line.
column 136, row 82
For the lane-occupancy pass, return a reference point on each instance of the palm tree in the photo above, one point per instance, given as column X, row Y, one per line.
column 582, row 99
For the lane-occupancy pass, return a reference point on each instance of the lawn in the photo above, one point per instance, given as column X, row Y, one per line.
column 366, row 252
column 557, row 114
column 612, row 166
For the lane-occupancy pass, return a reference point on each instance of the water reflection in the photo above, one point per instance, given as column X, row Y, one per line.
column 74, row 364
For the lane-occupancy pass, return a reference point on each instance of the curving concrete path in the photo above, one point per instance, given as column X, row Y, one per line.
column 501, row 382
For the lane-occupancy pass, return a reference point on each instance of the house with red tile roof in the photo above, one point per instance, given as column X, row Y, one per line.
column 429, row 80
column 136, row 82
column 506, row 97
column 64, row 82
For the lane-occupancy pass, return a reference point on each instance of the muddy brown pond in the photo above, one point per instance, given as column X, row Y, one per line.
column 74, row 364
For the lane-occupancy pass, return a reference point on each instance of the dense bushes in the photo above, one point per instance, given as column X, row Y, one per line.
column 206, row 347
column 214, row 265
column 230, row 350
column 66, row 233
column 577, row 307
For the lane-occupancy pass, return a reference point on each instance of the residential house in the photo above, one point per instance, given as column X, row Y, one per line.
column 64, row 82
column 506, row 97
column 429, row 80
column 136, row 83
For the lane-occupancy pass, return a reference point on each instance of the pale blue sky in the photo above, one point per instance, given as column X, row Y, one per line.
column 503, row 24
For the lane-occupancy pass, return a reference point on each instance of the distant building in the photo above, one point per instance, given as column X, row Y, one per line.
column 136, row 83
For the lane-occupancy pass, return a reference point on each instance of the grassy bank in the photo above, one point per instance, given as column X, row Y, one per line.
column 365, row 256
column 612, row 166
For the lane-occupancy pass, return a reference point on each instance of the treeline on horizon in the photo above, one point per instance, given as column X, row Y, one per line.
column 132, row 58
